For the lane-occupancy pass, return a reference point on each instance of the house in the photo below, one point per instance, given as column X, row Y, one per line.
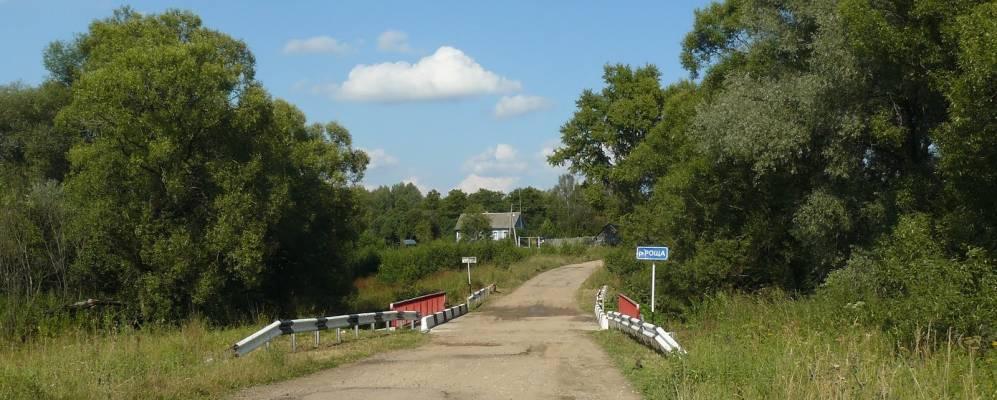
column 608, row 236
column 503, row 225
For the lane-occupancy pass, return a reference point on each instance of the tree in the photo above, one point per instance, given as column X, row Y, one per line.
column 475, row 225
column 599, row 138
column 489, row 200
column 197, row 191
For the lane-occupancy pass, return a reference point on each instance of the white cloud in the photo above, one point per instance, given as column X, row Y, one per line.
column 473, row 182
column 380, row 158
column 317, row 44
column 394, row 41
column 446, row 74
column 501, row 159
column 511, row 106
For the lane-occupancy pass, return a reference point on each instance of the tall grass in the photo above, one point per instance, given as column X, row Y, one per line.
column 770, row 346
column 192, row 361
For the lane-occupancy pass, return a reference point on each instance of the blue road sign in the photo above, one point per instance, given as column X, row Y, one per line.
column 652, row 253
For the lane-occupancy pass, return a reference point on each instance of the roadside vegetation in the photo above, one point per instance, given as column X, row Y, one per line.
column 193, row 361
column 826, row 185
column 770, row 345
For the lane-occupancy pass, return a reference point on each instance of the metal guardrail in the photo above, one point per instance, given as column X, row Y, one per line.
column 651, row 335
column 645, row 332
column 431, row 321
column 292, row 326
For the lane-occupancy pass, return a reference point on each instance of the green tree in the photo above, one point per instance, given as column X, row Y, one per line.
column 197, row 191
column 599, row 138
column 474, row 225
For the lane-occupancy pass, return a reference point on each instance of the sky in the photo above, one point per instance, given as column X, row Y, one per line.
column 442, row 94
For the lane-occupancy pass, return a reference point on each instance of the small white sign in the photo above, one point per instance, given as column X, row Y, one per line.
column 469, row 260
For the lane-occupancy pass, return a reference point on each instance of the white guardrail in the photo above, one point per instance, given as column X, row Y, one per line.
column 293, row 326
column 439, row 318
column 651, row 335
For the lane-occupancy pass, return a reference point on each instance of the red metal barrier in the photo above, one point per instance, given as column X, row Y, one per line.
column 628, row 306
column 425, row 305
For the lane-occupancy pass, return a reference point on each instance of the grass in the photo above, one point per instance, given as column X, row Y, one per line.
column 192, row 361
column 375, row 294
column 770, row 346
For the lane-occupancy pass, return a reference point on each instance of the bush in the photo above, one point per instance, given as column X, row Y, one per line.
column 908, row 286
column 408, row 264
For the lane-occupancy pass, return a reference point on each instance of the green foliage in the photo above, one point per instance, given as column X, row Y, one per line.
column 816, row 126
column 908, row 286
column 408, row 264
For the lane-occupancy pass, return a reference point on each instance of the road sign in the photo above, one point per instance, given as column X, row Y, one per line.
column 652, row 253
column 469, row 260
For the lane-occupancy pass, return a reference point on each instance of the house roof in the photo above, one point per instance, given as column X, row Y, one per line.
column 497, row 220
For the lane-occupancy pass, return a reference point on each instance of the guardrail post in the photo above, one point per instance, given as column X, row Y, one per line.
column 339, row 335
column 294, row 343
column 316, row 339
column 356, row 331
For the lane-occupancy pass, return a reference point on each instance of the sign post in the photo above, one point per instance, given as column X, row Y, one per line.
column 652, row 253
column 469, row 261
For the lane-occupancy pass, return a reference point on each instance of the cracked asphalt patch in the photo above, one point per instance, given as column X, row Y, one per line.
column 532, row 343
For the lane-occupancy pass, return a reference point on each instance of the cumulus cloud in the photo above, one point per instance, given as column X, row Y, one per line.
column 501, row 159
column 393, row 41
column 511, row 106
column 317, row 44
column 473, row 182
column 446, row 74
column 380, row 158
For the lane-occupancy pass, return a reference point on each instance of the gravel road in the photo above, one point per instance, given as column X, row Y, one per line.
column 532, row 343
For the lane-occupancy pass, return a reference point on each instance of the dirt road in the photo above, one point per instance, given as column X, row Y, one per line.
column 529, row 344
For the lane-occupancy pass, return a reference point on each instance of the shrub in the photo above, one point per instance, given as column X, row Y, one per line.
column 408, row 264
column 908, row 286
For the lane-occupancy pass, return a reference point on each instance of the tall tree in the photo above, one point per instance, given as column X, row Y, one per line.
column 198, row 191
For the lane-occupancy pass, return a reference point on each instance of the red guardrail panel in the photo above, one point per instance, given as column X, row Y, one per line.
column 425, row 305
column 627, row 306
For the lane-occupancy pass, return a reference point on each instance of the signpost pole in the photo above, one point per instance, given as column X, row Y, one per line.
column 653, row 267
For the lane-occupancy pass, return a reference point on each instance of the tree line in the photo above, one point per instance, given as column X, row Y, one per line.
column 846, row 148
column 401, row 211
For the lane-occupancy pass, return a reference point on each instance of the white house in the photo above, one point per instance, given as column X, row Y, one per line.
column 503, row 225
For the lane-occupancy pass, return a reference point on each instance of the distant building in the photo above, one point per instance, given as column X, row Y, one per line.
column 503, row 225
column 408, row 242
column 608, row 236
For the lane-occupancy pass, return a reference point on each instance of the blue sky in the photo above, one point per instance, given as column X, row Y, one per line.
column 444, row 94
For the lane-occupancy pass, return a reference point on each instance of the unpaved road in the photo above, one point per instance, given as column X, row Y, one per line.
column 529, row 344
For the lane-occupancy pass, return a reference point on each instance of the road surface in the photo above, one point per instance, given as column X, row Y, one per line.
column 530, row 344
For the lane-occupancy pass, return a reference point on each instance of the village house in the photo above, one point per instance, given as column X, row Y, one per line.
column 503, row 225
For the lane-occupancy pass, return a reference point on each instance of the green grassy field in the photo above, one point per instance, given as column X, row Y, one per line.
column 771, row 346
column 194, row 360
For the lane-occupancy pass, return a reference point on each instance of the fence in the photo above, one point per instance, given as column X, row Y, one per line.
column 424, row 305
column 644, row 332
